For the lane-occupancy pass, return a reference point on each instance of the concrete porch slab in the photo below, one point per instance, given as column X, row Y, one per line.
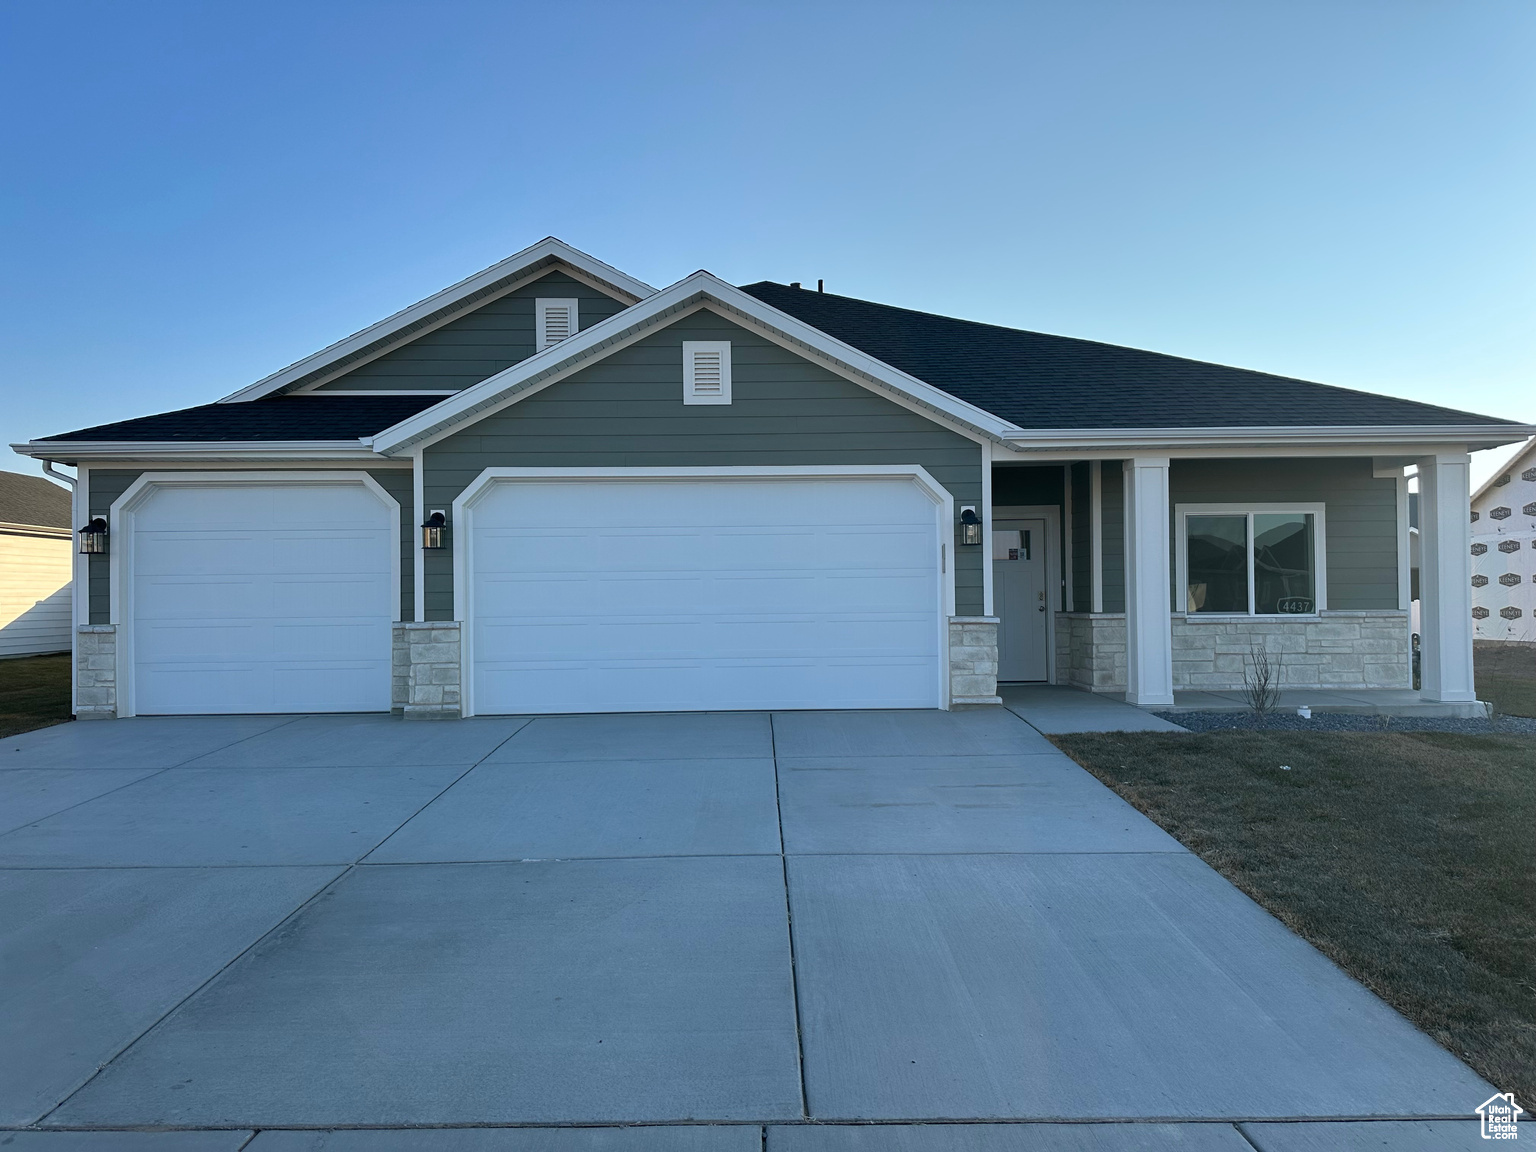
column 94, row 957
column 1035, row 803
column 1006, row 1138
column 588, row 992
column 205, row 817
column 595, row 808
column 1362, row 701
column 1096, row 986
column 1056, row 708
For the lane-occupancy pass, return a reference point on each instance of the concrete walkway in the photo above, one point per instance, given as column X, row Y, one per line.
column 1057, row 709
column 918, row 931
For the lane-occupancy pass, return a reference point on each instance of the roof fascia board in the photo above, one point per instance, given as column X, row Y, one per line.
column 35, row 530
column 699, row 289
column 1513, row 463
column 1382, row 439
column 537, row 258
column 68, row 451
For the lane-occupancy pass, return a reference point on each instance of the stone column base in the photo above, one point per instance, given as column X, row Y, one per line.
column 973, row 660
column 96, row 672
column 426, row 678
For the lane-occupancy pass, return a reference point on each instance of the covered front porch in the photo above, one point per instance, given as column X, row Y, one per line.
column 1163, row 580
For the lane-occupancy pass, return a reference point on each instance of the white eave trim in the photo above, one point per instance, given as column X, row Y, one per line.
column 701, row 288
column 1086, row 439
column 352, row 450
column 545, row 250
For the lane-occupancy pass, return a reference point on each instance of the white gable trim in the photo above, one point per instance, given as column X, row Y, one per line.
column 688, row 295
column 536, row 260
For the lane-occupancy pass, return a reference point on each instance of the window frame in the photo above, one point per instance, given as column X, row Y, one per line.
column 1318, row 512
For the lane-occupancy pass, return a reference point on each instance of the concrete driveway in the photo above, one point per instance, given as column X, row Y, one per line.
column 644, row 932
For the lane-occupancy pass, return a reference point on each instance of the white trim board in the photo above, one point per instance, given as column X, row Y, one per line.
column 120, row 555
column 1318, row 512
column 352, row 452
column 536, row 258
column 700, row 289
column 1355, row 440
column 463, row 547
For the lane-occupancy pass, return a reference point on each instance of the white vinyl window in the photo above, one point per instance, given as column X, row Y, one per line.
column 706, row 371
column 1251, row 560
column 557, row 319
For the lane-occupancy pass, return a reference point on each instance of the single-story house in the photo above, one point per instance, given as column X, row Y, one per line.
column 1504, row 552
column 554, row 488
column 35, row 565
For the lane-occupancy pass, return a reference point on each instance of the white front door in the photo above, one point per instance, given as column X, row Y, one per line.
column 703, row 592
column 255, row 597
column 1020, row 599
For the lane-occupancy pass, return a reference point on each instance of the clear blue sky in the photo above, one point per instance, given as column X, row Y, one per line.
column 194, row 195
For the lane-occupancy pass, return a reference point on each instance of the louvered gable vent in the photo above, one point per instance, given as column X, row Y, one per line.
column 706, row 371
column 556, row 321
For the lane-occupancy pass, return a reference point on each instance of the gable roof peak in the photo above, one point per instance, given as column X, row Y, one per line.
column 545, row 255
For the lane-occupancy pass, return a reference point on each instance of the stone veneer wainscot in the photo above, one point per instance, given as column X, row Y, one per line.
column 1344, row 649
column 426, row 671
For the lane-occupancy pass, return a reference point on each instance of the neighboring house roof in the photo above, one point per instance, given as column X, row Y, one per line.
column 1523, row 460
column 33, row 502
column 1037, row 380
column 309, row 417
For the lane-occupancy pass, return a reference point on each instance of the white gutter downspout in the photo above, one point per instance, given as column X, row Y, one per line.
column 74, row 576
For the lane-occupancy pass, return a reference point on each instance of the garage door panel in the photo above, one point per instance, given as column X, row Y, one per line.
column 268, row 617
column 640, row 595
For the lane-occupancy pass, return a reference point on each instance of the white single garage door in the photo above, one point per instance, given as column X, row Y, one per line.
column 704, row 593
column 254, row 597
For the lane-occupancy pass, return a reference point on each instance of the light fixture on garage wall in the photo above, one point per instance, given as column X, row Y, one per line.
column 93, row 537
column 970, row 526
column 432, row 530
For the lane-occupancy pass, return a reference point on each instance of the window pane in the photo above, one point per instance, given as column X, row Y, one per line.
column 1218, row 563
column 1283, row 563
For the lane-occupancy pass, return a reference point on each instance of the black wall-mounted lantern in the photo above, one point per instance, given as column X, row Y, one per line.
column 93, row 537
column 432, row 530
column 970, row 526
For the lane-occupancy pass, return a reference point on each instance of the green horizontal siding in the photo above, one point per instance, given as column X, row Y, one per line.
column 1360, row 514
column 480, row 343
column 107, row 485
column 627, row 411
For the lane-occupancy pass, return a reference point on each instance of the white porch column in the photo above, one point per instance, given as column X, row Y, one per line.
column 1148, row 626
column 1445, row 578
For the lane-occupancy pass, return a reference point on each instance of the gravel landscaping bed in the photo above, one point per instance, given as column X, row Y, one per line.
column 1348, row 722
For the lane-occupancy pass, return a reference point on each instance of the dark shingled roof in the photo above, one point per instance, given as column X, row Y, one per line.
column 283, row 418
column 1041, row 381
column 33, row 500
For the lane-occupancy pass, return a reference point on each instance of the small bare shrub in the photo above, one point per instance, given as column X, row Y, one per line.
column 1261, row 683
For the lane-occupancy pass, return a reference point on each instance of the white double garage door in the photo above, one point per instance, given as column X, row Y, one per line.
column 594, row 593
